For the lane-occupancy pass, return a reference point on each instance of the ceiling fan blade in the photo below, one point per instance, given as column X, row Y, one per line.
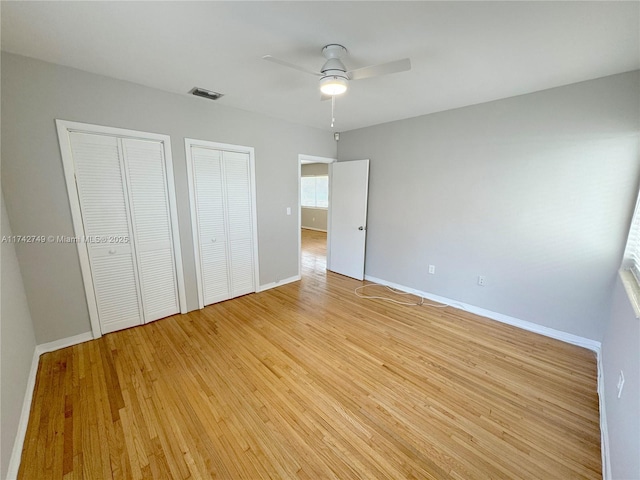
column 382, row 69
column 291, row 65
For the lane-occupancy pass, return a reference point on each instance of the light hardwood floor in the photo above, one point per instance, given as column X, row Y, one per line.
column 309, row 381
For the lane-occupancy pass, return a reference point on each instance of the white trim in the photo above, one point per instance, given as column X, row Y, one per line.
column 632, row 288
column 315, row 229
column 254, row 208
column 329, row 217
column 23, row 422
column 175, row 228
column 299, row 215
column 64, row 127
column 194, row 222
column 64, row 343
column 604, row 430
column 188, row 144
column 304, row 158
column 269, row 286
column 18, row 444
column 113, row 131
column 516, row 322
column 314, row 159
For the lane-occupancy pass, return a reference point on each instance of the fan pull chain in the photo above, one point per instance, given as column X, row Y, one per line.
column 333, row 106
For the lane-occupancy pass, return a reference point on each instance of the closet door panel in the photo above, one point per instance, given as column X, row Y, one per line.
column 238, row 188
column 242, row 267
column 115, row 287
column 149, row 198
column 99, row 180
column 97, row 159
column 210, row 219
column 215, row 279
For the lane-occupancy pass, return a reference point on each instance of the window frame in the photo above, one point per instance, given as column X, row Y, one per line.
column 630, row 269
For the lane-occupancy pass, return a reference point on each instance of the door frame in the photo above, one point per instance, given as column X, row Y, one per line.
column 64, row 128
column 311, row 159
column 191, row 142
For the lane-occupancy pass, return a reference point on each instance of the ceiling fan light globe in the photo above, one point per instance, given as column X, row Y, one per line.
column 333, row 85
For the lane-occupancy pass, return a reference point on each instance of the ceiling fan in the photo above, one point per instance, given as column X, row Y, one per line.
column 334, row 76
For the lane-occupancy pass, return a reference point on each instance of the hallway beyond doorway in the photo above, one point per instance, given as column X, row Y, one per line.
column 314, row 252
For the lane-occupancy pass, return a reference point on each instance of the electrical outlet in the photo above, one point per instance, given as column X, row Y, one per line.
column 620, row 383
column 432, row 269
column 481, row 280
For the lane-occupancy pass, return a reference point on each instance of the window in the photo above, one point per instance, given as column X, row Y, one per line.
column 632, row 252
column 631, row 263
column 314, row 191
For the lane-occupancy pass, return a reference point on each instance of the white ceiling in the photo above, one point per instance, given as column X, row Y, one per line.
column 463, row 53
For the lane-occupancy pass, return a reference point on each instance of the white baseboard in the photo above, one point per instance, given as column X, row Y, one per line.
column 542, row 330
column 279, row 283
column 16, row 453
column 314, row 229
column 604, row 430
column 63, row 343
column 516, row 322
column 18, row 444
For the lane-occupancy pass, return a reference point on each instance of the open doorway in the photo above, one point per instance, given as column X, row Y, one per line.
column 313, row 213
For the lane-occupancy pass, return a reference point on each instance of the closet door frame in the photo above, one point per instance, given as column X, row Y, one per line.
column 226, row 147
column 64, row 128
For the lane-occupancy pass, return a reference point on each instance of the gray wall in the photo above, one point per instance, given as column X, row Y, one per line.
column 535, row 192
column 34, row 93
column 621, row 351
column 17, row 345
column 314, row 169
column 314, row 217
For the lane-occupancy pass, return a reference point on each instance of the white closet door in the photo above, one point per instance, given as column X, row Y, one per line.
column 149, row 203
column 210, row 219
column 238, row 189
column 99, row 180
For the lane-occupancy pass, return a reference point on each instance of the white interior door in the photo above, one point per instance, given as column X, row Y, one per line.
column 238, row 188
column 105, row 214
column 222, row 195
column 209, row 208
column 151, row 221
column 122, row 199
column 349, row 183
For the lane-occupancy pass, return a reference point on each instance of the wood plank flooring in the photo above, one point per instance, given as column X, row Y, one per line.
column 309, row 381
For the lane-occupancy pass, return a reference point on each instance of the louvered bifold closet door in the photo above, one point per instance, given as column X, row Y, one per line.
column 149, row 203
column 240, row 238
column 210, row 218
column 99, row 178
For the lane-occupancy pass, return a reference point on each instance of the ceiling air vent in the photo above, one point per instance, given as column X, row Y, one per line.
column 201, row 92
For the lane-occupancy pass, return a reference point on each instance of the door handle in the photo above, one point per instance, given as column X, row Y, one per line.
column 360, row 227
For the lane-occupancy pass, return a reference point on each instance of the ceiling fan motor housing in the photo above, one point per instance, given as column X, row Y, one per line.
column 333, row 67
column 334, row 50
